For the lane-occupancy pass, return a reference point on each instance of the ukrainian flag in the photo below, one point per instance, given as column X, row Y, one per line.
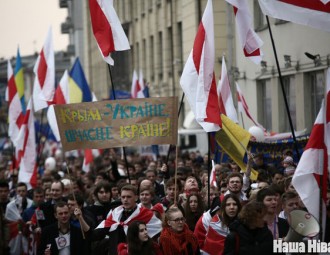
column 234, row 140
column 19, row 80
column 78, row 87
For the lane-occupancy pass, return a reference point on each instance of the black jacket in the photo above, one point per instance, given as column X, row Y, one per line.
column 242, row 240
column 78, row 245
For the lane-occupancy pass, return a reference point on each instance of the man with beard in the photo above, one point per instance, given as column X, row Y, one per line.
column 235, row 185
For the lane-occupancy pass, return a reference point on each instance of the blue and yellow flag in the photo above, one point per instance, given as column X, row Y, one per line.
column 234, row 140
column 19, row 80
column 79, row 90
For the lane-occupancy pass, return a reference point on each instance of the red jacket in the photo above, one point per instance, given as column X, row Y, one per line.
column 122, row 249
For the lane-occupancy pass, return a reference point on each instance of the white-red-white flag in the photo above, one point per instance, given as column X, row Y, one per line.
column 15, row 113
column 26, row 149
column 61, row 97
column 141, row 83
column 197, row 80
column 44, row 70
column 89, row 155
column 314, row 13
column 213, row 176
column 250, row 41
column 107, row 29
column 137, row 87
column 311, row 176
column 226, row 102
column 243, row 107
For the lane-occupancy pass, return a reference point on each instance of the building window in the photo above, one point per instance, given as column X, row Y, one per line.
column 290, row 93
column 316, row 81
column 160, row 55
column 265, row 107
column 151, row 58
column 259, row 18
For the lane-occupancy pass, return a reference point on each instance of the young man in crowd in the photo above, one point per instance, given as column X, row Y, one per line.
column 115, row 226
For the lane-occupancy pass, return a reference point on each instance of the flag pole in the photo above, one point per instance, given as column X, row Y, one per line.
column 208, row 170
column 242, row 120
column 74, row 197
column 114, row 97
column 282, row 87
column 170, row 147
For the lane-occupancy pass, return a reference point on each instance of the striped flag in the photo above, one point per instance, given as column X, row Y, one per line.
column 19, row 79
column 243, row 107
column 213, row 177
column 15, row 113
column 136, row 89
column 314, row 13
column 26, row 150
column 44, row 70
column 107, row 28
column 61, row 97
column 226, row 103
column 311, row 176
column 250, row 41
column 197, row 80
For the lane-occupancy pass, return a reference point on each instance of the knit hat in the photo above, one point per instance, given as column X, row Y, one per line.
column 288, row 160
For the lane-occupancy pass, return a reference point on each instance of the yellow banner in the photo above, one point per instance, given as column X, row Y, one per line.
column 234, row 140
column 118, row 123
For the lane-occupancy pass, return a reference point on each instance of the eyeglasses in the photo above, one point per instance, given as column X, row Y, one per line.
column 177, row 220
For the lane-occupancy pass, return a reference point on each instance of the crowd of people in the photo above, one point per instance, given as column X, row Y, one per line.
column 137, row 206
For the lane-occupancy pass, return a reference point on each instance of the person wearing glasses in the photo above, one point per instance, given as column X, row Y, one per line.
column 176, row 238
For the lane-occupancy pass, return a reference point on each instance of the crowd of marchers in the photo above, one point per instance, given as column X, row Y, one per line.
column 139, row 205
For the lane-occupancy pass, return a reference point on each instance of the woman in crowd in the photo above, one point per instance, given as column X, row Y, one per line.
column 138, row 241
column 176, row 238
column 219, row 225
column 249, row 234
column 194, row 209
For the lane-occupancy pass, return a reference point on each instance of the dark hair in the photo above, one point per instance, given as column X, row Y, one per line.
column 171, row 182
column 264, row 193
column 135, row 245
column 192, row 217
column 60, row 204
column 4, row 184
column 78, row 198
column 232, row 175
column 102, row 185
column 38, row 191
column 225, row 218
column 21, row 184
column 288, row 195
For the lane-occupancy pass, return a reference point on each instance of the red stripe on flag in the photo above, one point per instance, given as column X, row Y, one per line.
column 316, row 5
column 20, row 120
column 42, row 69
column 316, row 140
column 252, row 54
column 101, row 28
column 59, row 97
column 235, row 10
column 198, row 46
column 12, row 90
column 212, row 109
column 327, row 111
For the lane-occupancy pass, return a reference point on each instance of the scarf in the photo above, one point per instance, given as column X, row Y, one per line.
column 176, row 243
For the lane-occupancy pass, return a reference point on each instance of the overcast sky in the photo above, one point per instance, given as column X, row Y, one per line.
column 26, row 22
